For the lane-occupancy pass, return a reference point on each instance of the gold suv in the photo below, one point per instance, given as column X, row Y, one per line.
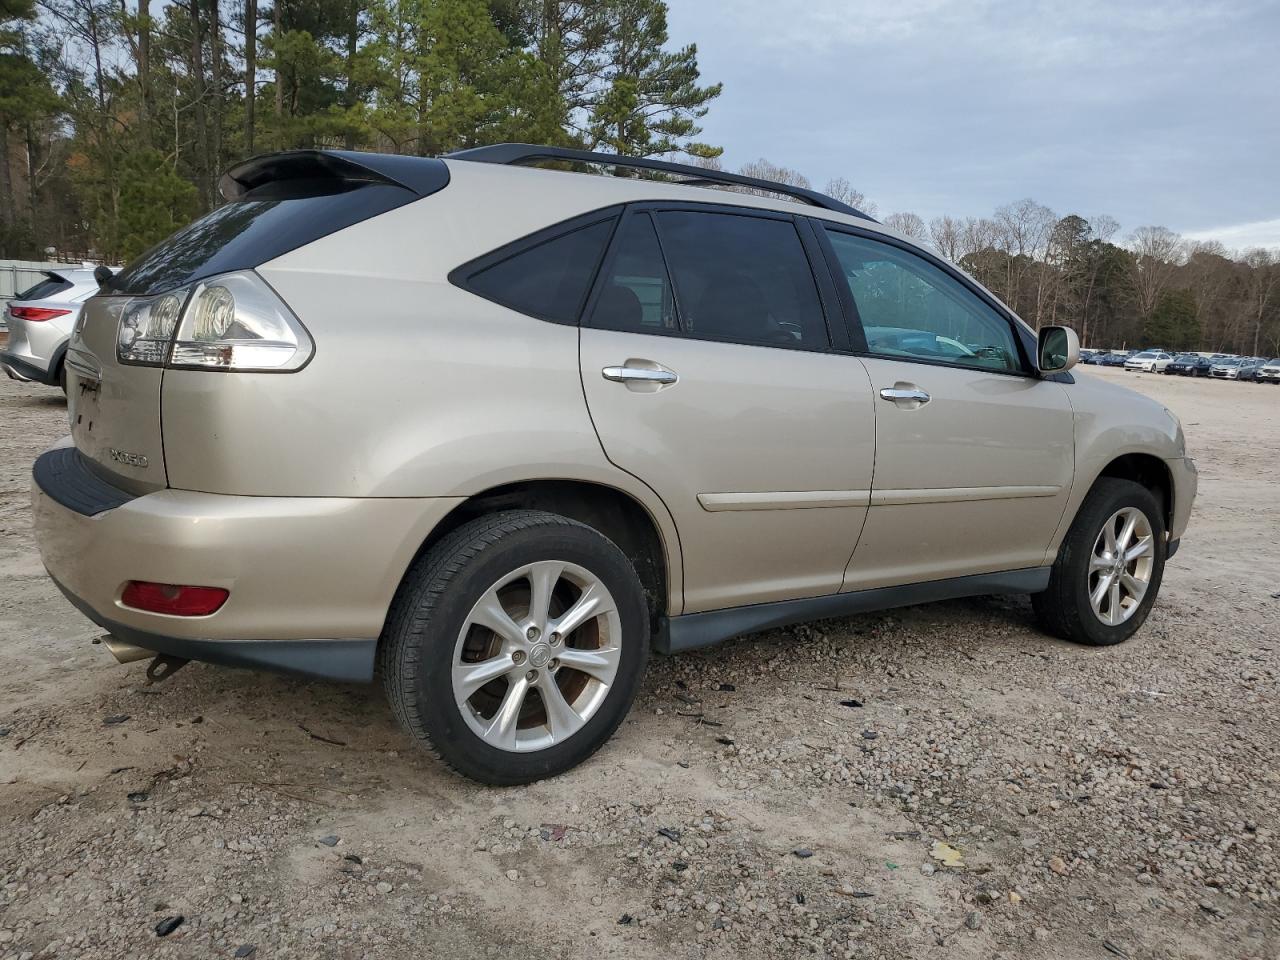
column 501, row 429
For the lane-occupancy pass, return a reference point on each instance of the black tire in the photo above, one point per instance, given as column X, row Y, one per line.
column 1064, row 609
column 432, row 605
column 62, row 376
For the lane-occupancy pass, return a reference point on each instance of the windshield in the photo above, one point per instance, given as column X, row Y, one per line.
column 1228, row 363
column 1145, row 356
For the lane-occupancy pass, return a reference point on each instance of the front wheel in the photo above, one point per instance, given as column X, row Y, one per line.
column 1109, row 567
column 515, row 646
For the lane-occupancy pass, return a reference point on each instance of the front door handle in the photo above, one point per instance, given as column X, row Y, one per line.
column 635, row 374
column 904, row 393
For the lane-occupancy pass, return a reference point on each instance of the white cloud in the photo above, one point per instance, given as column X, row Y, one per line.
column 1242, row 236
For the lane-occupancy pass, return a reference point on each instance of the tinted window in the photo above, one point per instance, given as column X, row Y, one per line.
column 742, row 278
column 636, row 295
column 911, row 308
column 549, row 280
column 47, row 287
column 247, row 233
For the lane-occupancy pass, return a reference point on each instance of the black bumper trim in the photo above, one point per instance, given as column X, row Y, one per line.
column 25, row 368
column 64, row 476
column 350, row 661
column 1171, row 548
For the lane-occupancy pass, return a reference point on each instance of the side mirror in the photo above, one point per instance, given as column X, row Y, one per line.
column 1059, row 349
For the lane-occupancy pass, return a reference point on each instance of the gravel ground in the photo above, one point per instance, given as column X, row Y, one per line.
column 935, row 781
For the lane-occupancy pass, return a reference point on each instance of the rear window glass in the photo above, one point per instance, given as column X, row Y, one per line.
column 48, row 287
column 246, row 233
column 549, row 280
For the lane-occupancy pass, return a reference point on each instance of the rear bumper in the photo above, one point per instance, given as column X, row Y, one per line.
column 19, row 367
column 347, row 660
column 310, row 578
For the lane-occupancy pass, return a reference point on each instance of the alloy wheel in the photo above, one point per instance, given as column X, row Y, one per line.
column 537, row 656
column 1121, row 566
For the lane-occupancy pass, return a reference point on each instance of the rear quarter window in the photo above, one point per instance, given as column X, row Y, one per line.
column 547, row 275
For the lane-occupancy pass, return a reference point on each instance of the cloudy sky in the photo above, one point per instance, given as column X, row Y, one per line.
column 1158, row 112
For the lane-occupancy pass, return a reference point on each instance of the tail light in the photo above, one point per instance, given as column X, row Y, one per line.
column 232, row 322
column 36, row 313
column 173, row 599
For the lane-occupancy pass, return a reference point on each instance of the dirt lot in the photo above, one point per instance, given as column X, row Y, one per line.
column 778, row 796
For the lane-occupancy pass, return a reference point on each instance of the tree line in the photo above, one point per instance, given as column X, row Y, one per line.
column 118, row 116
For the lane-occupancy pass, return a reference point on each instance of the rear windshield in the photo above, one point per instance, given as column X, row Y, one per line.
column 51, row 285
column 246, row 233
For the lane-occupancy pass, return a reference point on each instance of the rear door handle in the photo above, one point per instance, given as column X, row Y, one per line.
column 902, row 393
column 632, row 374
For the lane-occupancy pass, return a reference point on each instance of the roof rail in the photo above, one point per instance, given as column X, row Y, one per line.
column 525, row 153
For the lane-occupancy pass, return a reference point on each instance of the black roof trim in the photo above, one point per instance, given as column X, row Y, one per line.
column 420, row 175
column 525, row 153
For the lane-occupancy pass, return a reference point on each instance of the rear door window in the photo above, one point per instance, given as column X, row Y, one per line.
column 636, row 295
column 545, row 278
column 742, row 278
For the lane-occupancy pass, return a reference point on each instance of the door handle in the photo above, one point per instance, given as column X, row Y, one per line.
column 630, row 374
column 904, row 393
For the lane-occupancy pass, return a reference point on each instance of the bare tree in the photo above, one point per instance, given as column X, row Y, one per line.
column 1157, row 253
column 763, row 169
column 947, row 234
column 841, row 189
column 1261, row 288
column 909, row 225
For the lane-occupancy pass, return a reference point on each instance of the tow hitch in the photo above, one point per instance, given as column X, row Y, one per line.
column 162, row 665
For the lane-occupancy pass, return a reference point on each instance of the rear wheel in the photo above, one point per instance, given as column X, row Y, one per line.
column 1109, row 567
column 516, row 645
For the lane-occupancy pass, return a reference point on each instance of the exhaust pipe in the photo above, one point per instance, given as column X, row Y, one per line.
column 125, row 652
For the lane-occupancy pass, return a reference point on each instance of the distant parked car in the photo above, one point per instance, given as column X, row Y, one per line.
column 40, row 321
column 1189, row 365
column 1086, row 355
column 1269, row 372
column 1149, row 361
column 1111, row 359
column 1235, row 368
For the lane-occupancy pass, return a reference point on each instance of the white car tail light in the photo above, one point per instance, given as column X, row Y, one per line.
column 231, row 322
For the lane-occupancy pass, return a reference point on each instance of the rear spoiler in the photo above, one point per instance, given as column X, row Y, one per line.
column 299, row 173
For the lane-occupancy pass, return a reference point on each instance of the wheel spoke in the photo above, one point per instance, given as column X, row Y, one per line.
column 490, row 613
column 1109, row 536
column 1113, row 601
column 543, row 579
column 562, row 719
column 1136, row 588
column 601, row 664
column 501, row 731
column 594, row 602
column 1099, row 563
column 1143, row 548
column 470, row 677
column 1100, row 591
column 1126, row 532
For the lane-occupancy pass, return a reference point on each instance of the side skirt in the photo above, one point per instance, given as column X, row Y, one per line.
column 694, row 630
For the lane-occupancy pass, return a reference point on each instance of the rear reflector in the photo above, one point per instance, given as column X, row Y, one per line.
column 36, row 313
column 178, row 601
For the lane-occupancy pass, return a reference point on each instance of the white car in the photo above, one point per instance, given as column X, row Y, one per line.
column 40, row 321
column 1149, row 361
column 1270, row 371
